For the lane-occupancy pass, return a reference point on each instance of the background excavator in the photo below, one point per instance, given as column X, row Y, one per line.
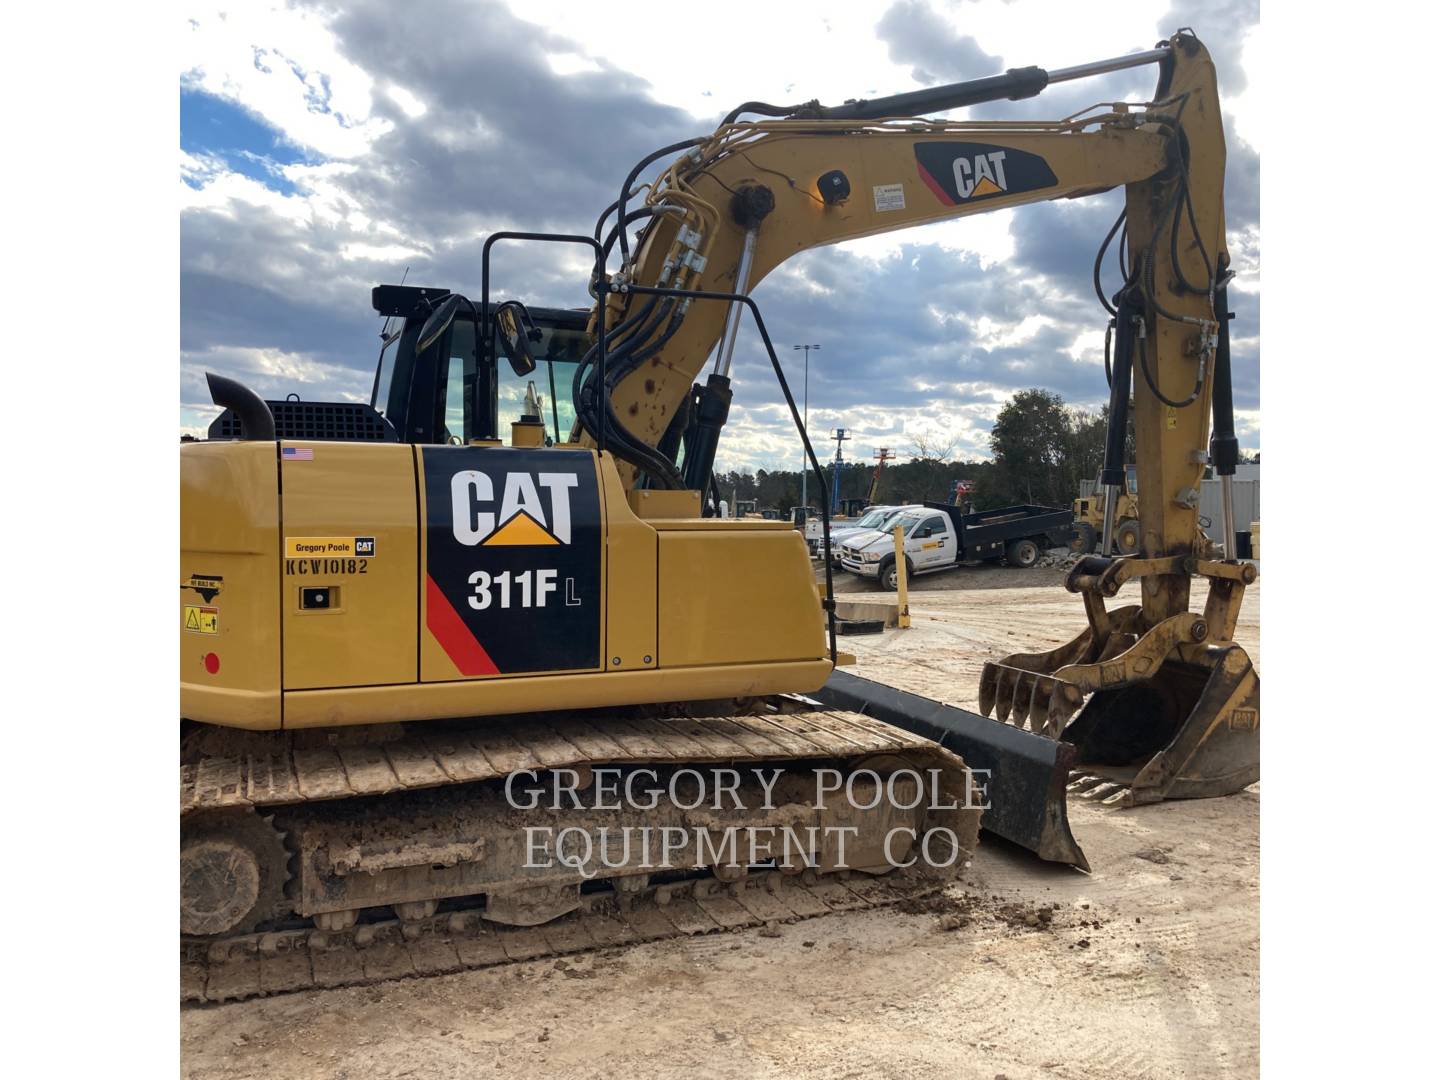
column 387, row 612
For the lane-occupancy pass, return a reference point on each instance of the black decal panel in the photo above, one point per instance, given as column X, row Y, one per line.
column 512, row 541
column 965, row 172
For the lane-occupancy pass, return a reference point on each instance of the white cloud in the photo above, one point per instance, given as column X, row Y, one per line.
column 272, row 373
column 394, row 253
column 223, row 191
column 787, row 52
column 413, row 107
column 283, row 64
column 342, row 228
column 990, row 334
column 571, row 63
column 1245, row 107
column 1244, row 247
column 986, row 236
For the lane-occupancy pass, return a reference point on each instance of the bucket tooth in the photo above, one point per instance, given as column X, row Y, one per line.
column 1005, row 681
column 1007, row 686
column 1039, row 703
column 1037, row 697
column 1019, row 685
column 1022, row 705
column 1123, row 797
column 1101, row 791
column 1084, row 784
column 989, row 676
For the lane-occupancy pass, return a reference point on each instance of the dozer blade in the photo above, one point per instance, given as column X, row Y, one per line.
column 1027, row 772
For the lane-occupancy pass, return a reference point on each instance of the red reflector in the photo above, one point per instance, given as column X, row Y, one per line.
column 212, row 663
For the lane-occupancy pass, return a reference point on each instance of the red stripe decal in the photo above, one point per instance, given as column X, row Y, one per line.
column 468, row 655
column 934, row 185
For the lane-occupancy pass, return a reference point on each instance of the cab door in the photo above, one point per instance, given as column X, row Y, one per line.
column 931, row 543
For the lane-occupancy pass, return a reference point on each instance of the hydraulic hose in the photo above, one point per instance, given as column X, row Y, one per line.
column 1100, row 258
column 673, row 148
column 622, row 359
column 1224, row 447
column 1112, row 475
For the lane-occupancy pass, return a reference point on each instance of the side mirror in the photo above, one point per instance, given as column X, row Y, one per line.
column 438, row 322
column 517, row 332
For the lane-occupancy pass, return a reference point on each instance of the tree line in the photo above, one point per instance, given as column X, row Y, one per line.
column 1042, row 451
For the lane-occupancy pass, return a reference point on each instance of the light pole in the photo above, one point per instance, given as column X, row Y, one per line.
column 805, row 424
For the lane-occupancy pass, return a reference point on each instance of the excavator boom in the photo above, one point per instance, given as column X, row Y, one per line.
column 738, row 203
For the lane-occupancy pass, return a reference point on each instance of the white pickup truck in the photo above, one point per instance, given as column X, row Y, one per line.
column 938, row 537
column 844, row 528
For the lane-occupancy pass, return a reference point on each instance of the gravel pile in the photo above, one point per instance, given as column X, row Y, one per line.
column 1058, row 559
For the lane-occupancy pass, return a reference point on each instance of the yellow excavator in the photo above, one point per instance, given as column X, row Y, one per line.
column 416, row 658
column 1090, row 519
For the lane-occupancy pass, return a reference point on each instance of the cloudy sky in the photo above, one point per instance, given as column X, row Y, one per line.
column 325, row 148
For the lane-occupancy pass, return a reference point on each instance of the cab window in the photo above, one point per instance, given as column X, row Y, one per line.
column 908, row 522
column 385, row 372
column 1132, row 483
column 932, row 526
column 457, row 420
column 464, row 408
column 391, row 393
column 557, row 354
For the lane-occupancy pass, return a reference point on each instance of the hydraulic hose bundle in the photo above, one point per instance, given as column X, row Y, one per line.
column 1134, row 303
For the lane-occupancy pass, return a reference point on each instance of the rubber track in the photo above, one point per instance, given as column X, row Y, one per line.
column 292, row 960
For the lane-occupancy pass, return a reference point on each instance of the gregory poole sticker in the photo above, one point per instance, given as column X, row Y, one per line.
column 330, row 547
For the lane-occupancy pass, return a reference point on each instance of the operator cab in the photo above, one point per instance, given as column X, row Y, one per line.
column 1132, row 483
column 448, row 392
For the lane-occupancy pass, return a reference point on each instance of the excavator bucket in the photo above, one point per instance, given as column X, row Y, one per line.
column 1191, row 732
column 1025, row 773
column 1173, row 709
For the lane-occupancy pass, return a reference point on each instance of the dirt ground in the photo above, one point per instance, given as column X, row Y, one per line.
column 1147, row 967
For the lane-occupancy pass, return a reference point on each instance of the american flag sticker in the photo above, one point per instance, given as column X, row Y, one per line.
column 297, row 453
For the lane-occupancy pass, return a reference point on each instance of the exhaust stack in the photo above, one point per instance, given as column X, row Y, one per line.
column 257, row 422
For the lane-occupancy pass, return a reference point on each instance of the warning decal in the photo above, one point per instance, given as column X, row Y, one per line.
column 889, row 197
column 512, row 558
column 202, row 620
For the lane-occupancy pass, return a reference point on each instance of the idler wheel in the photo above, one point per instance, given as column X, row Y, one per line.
column 232, row 874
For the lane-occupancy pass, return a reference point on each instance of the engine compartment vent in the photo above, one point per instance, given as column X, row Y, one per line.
column 318, row 421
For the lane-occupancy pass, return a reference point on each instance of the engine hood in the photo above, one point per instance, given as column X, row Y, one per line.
column 863, row 538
